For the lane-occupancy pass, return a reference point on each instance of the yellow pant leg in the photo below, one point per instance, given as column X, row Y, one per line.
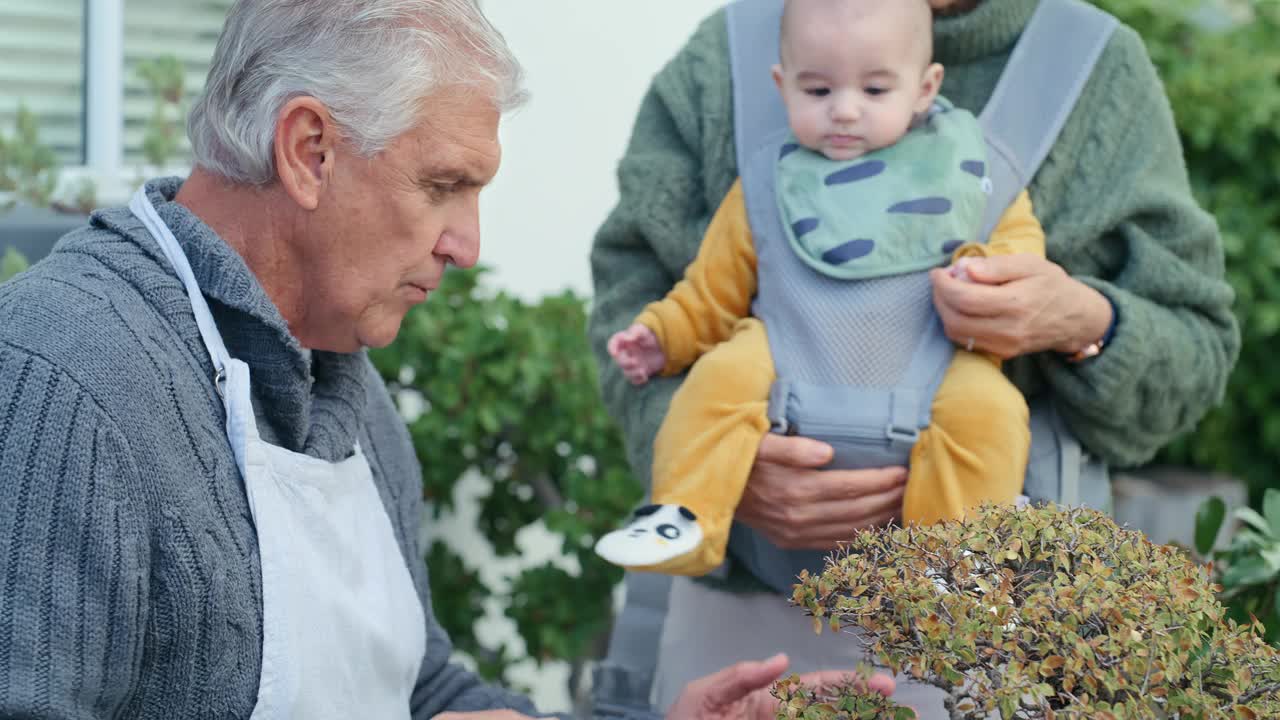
column 707, row 444
column 975, row 448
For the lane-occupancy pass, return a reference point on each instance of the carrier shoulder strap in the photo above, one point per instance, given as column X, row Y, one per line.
column 1033, row 99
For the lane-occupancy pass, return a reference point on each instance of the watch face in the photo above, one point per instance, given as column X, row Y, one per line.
column 1087, row 352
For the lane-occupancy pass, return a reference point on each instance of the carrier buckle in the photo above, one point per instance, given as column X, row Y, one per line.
column 907, row 436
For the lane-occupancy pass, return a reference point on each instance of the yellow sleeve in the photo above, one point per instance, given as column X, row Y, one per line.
column 716, row 292
column 1017, row 232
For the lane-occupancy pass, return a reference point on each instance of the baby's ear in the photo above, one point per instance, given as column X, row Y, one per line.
column 930, row 84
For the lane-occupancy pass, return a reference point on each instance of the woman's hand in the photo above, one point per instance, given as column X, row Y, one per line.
column 1019, row 304
column 741, row 691
column 796, row 506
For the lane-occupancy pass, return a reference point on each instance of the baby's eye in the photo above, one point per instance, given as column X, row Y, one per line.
column 876, row 90
column 817, row 91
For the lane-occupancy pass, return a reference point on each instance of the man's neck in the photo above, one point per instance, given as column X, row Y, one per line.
column 247, row 220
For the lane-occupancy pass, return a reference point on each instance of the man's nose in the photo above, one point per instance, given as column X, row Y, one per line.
column 459, row 244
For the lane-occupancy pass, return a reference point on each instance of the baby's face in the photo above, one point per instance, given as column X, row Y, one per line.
column 854, row 75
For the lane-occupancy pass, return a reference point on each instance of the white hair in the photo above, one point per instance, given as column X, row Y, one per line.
column 372, row 63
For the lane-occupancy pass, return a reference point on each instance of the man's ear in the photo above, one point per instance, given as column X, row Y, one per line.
column 305, row 149
column 930, row 84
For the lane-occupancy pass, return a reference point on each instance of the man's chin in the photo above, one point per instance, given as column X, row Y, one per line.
column 381, row 336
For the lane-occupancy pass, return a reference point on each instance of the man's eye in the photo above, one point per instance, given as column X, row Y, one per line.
column 440, row 191
column 817, row 91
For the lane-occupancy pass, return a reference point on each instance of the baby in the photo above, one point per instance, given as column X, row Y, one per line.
column 882, row 179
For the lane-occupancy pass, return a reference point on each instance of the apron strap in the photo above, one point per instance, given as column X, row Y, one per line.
column 231, row 378
column 142, row 207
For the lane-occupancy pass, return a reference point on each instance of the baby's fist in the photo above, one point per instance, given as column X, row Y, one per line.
column 638, row 353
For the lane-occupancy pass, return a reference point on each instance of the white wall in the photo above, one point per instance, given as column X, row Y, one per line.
column 589, row 64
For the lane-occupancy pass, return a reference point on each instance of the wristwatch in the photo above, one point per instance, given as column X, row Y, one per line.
column 1093, row 349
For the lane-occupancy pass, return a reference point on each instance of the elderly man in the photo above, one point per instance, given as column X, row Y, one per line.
column 209, row 505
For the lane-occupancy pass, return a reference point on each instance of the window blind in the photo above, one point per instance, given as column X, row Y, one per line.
column 183, row 29
column 42, row 67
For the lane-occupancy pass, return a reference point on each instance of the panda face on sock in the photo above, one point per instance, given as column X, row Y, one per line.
column 655, row 534
column 659, row 524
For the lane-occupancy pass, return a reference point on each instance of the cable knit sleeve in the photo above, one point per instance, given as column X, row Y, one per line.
column 676, row 170
column 1130, row 227
column 73, row 556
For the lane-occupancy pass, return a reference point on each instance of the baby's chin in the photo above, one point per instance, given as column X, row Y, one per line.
column 843, row 154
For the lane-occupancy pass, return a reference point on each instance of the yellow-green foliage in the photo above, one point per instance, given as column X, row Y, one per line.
column 1043, row 613
column 11, row 263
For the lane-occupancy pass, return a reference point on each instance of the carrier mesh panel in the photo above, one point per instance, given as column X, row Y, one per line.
column 841, row 332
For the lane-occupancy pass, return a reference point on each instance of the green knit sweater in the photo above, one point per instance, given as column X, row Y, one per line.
column 1113, row 196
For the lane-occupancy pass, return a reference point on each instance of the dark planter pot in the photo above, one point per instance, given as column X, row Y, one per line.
column 33, row 231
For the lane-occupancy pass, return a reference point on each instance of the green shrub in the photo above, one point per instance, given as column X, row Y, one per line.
column 28, row 169
column 509, row 390
column 1224, row 85
column 1248, row 569
column 1041, row 613
column 11, row 264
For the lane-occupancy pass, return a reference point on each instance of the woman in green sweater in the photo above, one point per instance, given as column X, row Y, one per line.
column 1131, row 258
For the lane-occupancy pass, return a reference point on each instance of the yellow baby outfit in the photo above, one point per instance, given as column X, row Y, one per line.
column 974, row 451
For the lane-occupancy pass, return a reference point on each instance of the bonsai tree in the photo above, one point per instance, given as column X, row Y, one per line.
column 1037, row 613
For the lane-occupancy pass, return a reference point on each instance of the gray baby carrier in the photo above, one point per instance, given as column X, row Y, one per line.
column 870, row 404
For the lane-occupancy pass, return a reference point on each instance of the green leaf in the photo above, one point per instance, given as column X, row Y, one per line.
column 1249, row 571
column 1259, row 523
column 1208, row 521
column 1271, row 510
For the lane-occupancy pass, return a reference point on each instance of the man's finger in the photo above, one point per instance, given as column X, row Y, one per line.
column 968, row 298
column 737, row 681
column 842, row 485
column 793, row 451
column 1001, row 269
column 848, row 512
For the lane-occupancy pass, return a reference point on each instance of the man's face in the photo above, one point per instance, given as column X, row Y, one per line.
column 387, row 226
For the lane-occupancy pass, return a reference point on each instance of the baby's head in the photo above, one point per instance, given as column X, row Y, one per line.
column 854, row 73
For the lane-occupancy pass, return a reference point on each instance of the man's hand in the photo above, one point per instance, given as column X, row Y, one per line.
column 638, row 353
column 741, row 691
column 796, row 506
column 1019, row 304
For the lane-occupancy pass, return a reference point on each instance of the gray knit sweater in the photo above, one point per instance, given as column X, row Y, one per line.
column 129, row 577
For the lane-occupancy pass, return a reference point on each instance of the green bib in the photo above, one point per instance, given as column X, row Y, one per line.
column 904, row 208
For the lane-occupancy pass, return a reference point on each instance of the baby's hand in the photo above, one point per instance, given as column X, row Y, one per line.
column 638, row 353
column 958, row 270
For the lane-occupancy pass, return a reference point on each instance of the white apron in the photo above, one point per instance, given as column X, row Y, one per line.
column 343, row 630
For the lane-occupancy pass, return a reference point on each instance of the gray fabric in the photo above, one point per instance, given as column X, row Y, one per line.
column 1037, row 92
column 129, row 577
